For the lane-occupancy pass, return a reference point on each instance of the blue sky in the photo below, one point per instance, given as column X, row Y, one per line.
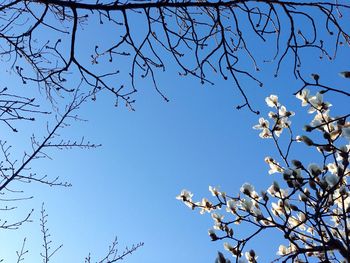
column 127, row 187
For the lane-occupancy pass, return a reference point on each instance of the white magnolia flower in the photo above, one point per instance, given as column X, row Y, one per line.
column 231, row 206
column 331, row 179
column 251, row 256
column 272, row 101
column 283, row 193
column 272, row 115
column 314, row 169
column 274, row 166
column 214, row 190
column 230, row 248
column 217, row 217
column 285, row 123
column 185, row 196
column 295, row 222
column 218, row 226
column 334, row 134
column 276, row 210
column 284, row 113
column 264, row 126
column 265, row 133
column 317, row 103
column 282, row 122
column 273, row 188
column 332, row 167
column 278, row 129
column 256, row 212
column 303, row 96
column 323, row 121
column 282, row 207
column 247, row 204
column 282, row 250
column 247, row 189
column 343, row 152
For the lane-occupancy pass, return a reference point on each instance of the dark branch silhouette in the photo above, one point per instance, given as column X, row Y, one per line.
column 201, row 37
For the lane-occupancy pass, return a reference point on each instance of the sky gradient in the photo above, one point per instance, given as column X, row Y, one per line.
column 127, row 187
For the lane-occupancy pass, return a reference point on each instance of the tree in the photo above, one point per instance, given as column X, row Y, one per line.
column 309, row 203
column 45, row 44
column 14, row 173
column 201, row 38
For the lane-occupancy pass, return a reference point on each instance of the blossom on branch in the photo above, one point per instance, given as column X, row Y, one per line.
column 280, row 119
column 308, row 203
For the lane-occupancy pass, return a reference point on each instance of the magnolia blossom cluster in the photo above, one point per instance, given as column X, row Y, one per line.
column 332, row 127
column 205, row 205
column 280, row 118
column 308, row 203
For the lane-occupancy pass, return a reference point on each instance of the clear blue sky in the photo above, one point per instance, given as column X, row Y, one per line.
column 127, row 187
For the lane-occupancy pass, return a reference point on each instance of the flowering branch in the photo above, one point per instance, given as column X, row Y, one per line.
column 312, row 211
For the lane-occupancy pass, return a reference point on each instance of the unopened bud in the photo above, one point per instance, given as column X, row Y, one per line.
column 302, row 197
column 306, row 140
column 345, row 74
column 314, row 169
column 264, row 196
column 220, row 258
column 290, row 184
column 306, row 192
column 252, row 253
column 288, row 114
column 308, row 128
column 212, row 235
column 327, row 148
column 230, row 232
column 326, row 135
column 294, row 208
column 286, row 176
column 297, row 163
column 276, row 186
column 315, row 76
